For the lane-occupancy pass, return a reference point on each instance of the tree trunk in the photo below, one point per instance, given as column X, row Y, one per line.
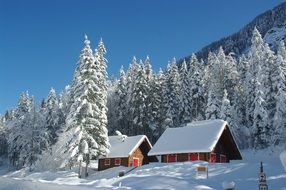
column 79, row 169
column 86, row 165
column 85, row 171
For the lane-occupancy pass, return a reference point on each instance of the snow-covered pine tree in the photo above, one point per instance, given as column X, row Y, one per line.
column 120, row 104
column 215, row 85
column 138, row 102
column 239, row 129
column 111, row 104
column 260, row 116
column 3, row 138
column 64, row 106
column 269, row 67
column 159, row 107
column 255, row 58
column 130, row 85
column 149, row 79
column 17, row 126
column 279, row 123
column 185, row 109
column 231, row 76
column 173, row 93
column 225, row 111
column 281, row 49
column 101, row 136
column 89, row 135
column 213, row 104
column 27, row 139
column 51, row 116
column 197, row 85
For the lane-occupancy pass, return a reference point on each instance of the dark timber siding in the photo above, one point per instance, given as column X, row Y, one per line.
column 102, row 166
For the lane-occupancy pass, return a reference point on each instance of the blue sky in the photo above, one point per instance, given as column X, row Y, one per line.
column 40, row 40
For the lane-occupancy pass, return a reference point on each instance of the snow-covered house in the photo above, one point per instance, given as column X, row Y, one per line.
column 209, row 140
column 127, row 151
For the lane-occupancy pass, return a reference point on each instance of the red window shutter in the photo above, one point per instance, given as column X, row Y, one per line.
column 117, row 162
column 194, row 156
column 172, row 158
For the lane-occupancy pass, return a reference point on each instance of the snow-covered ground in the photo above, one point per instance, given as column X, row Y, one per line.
column 157, row 176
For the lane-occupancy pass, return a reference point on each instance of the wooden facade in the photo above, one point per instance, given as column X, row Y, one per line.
column 137, row 158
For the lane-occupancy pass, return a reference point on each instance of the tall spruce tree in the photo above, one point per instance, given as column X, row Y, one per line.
column 260, row 115
column 197, row 85
column 173, row 93
column 51, row 116
column 185, row 95
column 87, row 116
column 279, row 123
column 255, row 58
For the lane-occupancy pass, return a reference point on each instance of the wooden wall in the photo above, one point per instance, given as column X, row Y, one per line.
column 102, row 166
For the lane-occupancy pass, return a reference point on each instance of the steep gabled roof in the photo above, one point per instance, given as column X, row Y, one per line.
column 201, row 136
column 124, row 148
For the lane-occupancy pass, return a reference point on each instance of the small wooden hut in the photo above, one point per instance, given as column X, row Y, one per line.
column 127, row 151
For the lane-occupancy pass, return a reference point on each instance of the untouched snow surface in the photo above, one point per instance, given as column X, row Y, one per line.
column 180, row 176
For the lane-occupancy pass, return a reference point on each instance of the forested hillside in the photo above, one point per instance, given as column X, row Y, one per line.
column 248, row 92
column 268, row 24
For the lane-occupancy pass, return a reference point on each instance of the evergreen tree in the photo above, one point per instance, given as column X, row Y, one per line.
column 51, row 116
column 27, row 138
column 139, row 105
column 197, row 85
column 130, row 86
column 213, row 104
column 159, row 107
column 87, row 116
column 279, row 122
column 281, row 49
column 255, row 58
column 185, row 95
column 173, row 93
column 260, row 115
column 225, row 112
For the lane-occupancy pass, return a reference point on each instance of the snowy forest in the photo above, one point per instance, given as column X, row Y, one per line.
column 246, row 90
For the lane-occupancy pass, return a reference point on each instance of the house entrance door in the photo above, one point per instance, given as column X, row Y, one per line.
column 135, row 162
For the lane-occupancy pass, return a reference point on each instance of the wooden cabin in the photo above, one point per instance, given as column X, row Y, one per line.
column 209, row 140
column 127, row 151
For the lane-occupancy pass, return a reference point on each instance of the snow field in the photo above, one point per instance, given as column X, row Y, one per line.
column 169, row 176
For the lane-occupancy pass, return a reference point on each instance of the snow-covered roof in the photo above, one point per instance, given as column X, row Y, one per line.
column 124, row 148
column 200, row 136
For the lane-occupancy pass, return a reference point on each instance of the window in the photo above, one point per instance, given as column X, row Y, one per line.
column 222, row 158
column 107, row 162
column 117, row 162
column 212, row 158
column 172, row 158
column 193, row 156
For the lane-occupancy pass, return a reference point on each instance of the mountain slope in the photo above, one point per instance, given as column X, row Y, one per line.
column 271, row 24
